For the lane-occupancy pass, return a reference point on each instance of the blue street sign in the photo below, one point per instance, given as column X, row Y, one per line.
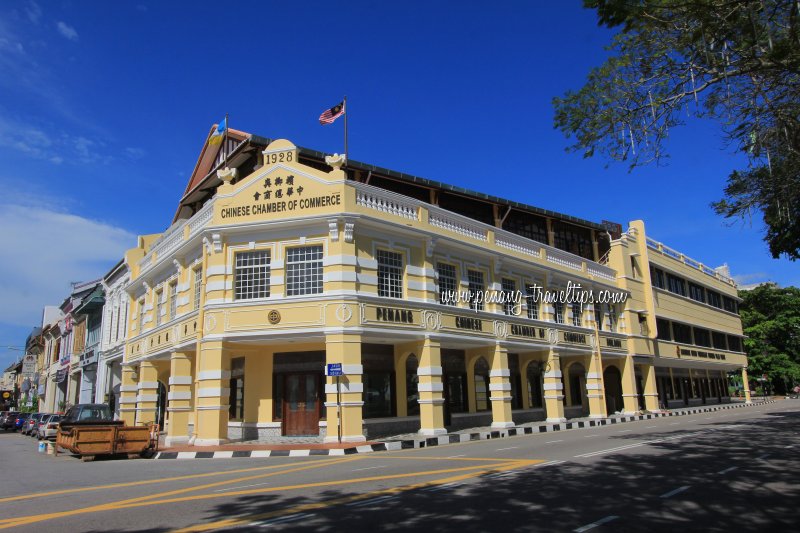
column 335, row 369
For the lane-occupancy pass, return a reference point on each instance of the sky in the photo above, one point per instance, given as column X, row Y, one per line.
column 104, row 107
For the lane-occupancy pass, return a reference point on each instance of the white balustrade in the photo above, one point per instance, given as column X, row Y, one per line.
column 384, row 202
column 564, row 259
column 519, row 244
column 457, row 224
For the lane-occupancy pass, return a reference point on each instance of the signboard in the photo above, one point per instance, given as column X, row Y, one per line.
column 29, row 365
column 334, row 369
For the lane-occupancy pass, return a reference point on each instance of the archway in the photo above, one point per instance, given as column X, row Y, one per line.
column 612, row 378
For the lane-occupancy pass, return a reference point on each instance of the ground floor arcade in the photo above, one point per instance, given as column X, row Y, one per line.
column 220, row 391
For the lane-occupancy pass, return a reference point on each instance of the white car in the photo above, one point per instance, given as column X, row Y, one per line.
column 48, row 427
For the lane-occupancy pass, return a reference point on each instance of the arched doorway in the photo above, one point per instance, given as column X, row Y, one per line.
column 613, row 385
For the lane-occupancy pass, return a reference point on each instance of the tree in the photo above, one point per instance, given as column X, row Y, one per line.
column 734, row 61
column 771, row 323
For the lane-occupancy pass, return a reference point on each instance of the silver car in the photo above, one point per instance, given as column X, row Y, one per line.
column 48, row 427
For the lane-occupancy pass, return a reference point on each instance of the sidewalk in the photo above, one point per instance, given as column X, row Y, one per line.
column 413, row 440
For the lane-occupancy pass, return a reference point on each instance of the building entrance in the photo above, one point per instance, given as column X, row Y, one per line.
column 301, row 404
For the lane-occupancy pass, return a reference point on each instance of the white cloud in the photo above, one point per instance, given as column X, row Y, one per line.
column 43, row 249
column 34, row 12
column 67, row 31
column 57, row 146
column 134, row 153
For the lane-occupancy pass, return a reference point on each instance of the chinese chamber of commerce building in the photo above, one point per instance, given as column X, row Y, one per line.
column 281, row 260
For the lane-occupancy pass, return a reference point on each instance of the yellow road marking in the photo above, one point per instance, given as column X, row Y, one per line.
column 148, row 500
column 143, row 482
column 234, row 522
column 132, row 501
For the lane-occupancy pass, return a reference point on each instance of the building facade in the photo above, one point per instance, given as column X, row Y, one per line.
column 436, row 303
column 112, row 346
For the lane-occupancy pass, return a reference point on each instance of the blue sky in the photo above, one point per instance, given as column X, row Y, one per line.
column 105, row 106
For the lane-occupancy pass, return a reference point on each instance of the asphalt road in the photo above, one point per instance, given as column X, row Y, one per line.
column 731, row 470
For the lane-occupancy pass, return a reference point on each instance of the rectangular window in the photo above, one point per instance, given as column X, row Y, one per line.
column 577, row 314
column 696, row 292
column 533, row 304
column 734, row 343
column 558, row 308
column 598, row 315
column 390, row 274
column 252, row 275
column 662, row 326
column 702, row 337
column 573, row 239
column 140, row 305
column 714, row 299
column 304, row 270
column 198, row 282
column 730, row 305
column 682, row 333
column 159, row 306
column 657, row 277
column 676, row 285
column 476, row 289
column 447, row 283
column 509, row 290
column 173, row 300
column 720, row 340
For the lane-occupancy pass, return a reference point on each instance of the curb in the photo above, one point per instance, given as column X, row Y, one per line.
column 450, row 438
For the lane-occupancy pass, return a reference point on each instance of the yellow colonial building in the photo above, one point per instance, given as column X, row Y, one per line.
column 281, row 260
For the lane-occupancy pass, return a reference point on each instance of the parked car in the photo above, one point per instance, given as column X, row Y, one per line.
column 89, row 414
column 20, row 420
column 31, row 424
column 8, row 419
column 48, row 427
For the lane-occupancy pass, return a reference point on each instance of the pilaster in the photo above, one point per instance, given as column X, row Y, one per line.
column 211, row 405
column 345, row 348
column 630, row 398
column 431, row 389
column 650, row 388
column 147, row 397
column 127, row 395
column 553, row 388
column 595, row 387
column 179, row 398
column 500, row 388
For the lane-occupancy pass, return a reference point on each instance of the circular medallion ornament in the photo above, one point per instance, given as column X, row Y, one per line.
column 274, row 317
column 344, row 313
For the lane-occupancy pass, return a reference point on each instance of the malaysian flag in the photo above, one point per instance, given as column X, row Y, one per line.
column 329, row 115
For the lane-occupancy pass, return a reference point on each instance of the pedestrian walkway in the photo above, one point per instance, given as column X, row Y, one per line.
column 305, row 446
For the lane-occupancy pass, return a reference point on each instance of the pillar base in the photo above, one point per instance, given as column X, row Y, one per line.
column 175, row 441
column 432, row 432
column 597, row 417
column 502, row 425
column 210, row 442
column 555, row 420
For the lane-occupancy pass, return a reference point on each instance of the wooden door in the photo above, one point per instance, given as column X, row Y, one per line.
column 301, row 404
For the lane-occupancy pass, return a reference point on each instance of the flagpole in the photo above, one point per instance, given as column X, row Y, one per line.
column 346, row 154
column 225, row 143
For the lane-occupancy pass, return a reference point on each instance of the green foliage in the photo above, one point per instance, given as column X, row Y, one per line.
column 734, row 61
column 771, row 322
